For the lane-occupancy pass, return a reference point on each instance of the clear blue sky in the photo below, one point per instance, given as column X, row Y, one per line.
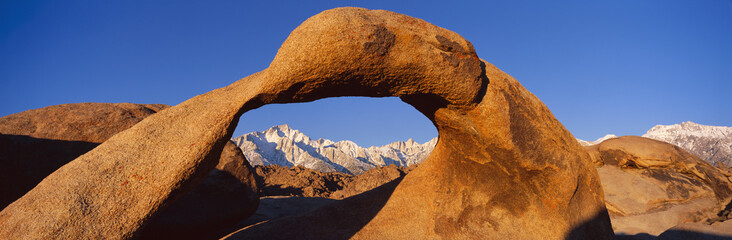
column 601, row 66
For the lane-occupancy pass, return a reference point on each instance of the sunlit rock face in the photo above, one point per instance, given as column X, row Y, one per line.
column 39, row 141
column 651, row 186
column 36, row 142
column 503, row 167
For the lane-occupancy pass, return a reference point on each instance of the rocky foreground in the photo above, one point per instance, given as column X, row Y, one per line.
column 651, row 188
column 35, row 143
column 503, row 168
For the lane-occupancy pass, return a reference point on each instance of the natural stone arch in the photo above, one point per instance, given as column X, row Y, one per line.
column 503, row 167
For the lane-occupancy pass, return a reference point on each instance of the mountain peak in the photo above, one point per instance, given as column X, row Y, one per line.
column 282, row 127
column 284, row 146
column 711, row 143
column 598, row 141
column 606, row 137
column 689, row 123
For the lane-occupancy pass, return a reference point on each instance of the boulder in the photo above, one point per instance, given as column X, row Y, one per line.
column 299, row 181
column 503, row 166
column 36, row 142
column 698, row 231
column 292, row 191
column 651, row 186
column 371, row 179
column 227, row 195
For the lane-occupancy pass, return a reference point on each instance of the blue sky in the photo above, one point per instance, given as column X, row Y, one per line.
column 600, row 66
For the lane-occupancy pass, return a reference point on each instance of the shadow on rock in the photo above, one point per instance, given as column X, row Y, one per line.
column 589, row 229
column 204, row 210
column 25, row 161
column 340, row 220
column 684, row 235
column 276, row 207
column 639, row 236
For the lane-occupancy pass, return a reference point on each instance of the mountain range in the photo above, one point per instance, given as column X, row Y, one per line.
column 598, row 141
column 711, row 143
column 284, row 146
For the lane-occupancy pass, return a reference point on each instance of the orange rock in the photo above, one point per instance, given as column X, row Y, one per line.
column 651, row 186
column 500, row 151
column 37, row 142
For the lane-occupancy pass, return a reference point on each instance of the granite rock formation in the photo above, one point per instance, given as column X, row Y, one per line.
column 230, row 193
column 698, row 231
column 499, row 147
column 37, row 142
column 299, row 181
column 651, row 186
column 503, row 166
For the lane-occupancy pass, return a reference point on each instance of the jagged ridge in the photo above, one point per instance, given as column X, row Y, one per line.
column 711, row 143
column 284, row 146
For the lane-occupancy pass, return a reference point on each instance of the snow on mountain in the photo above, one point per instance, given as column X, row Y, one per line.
column 284, row 146
column 711, row 143
column 599, row 140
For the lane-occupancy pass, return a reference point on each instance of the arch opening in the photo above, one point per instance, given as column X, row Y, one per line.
column 486, row 177
column 343, row 134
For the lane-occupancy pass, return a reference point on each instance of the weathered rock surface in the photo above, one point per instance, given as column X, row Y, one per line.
column 230, row 193
column 86, row 122
column 303, row 182
column 369, row 180
column 333, row 220
column 651, row 186
column 277, row 207
column 503, row 166
column 698, row 231
column 37, row 142
column 299, row 181
column 288, row 192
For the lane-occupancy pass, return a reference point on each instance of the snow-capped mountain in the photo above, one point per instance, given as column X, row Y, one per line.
column 284, row 146
column 711, row 143
column 599, row 140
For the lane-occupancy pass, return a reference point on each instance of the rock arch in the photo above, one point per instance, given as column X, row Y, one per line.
column 504, row 167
